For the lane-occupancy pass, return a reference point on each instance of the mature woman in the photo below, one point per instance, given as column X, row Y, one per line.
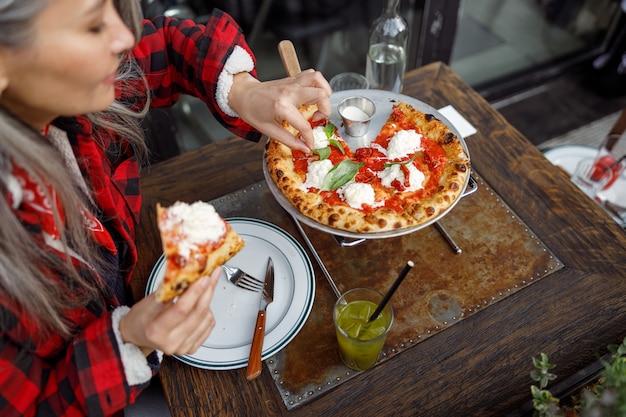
column 76, row 76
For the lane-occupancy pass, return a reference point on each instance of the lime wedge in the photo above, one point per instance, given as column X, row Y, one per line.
column 353, row 320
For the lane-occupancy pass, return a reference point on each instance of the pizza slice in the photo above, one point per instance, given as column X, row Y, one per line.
column 195, row 241
column 443, row 161
column 434, row 129
column 300, row 176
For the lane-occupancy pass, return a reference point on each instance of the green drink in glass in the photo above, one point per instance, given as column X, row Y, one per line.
column 360, row 341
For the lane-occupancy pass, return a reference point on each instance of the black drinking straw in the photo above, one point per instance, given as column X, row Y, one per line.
column 393, row 289
column 617, row 162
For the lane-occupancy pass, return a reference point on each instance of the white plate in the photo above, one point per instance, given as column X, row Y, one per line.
column 235, row 309
column 568, row 156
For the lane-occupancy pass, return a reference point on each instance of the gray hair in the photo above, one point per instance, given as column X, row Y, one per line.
column 17, row 29
column 23, row 262
column 16, row 17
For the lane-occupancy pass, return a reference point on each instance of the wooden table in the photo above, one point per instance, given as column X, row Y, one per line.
column 479, row 366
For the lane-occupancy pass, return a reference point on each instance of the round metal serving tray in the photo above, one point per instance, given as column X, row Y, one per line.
column 384, row 101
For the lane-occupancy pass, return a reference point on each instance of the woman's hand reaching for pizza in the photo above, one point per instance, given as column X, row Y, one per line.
column 265, row 105
column 175, row 327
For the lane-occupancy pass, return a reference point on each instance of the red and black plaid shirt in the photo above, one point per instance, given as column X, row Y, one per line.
column 85, row 376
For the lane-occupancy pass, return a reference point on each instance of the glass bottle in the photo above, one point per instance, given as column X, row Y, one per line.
column 386, row 56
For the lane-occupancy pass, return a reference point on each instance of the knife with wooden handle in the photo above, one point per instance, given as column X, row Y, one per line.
column 254, row 361
column 289, row 58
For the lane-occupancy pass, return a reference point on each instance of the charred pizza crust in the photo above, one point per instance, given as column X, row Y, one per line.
column 185, row 261
column 404, row 209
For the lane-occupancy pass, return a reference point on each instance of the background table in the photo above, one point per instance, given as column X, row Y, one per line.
column 477, row 367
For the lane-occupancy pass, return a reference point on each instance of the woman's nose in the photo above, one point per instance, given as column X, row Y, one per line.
column 122, row 39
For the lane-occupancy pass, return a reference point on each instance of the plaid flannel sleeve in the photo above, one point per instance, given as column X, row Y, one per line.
column 88, row 380
column 182, row 57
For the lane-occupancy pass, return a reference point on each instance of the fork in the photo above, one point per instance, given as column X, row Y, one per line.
column 242, row 279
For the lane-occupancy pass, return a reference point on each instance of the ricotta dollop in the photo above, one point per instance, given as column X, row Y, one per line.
column 198, row 222
column 320, row 140
column 316, row 172
column 357, row 193
column 395, row 172
column 403, row 144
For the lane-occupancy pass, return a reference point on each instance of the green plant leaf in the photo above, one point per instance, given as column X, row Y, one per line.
column 544, row 403
column 329, row 130
column 337, row 144
column 322, row 152
column 605, row 397
column 540, row 373
column 340, row 174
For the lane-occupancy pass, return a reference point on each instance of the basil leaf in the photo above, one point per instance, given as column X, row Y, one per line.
column 340, row 174
column 329, row 130
column 389, row 164
column 337, row 145
column 322, row 152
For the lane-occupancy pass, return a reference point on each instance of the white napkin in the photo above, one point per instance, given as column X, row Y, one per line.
column 463, row 126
